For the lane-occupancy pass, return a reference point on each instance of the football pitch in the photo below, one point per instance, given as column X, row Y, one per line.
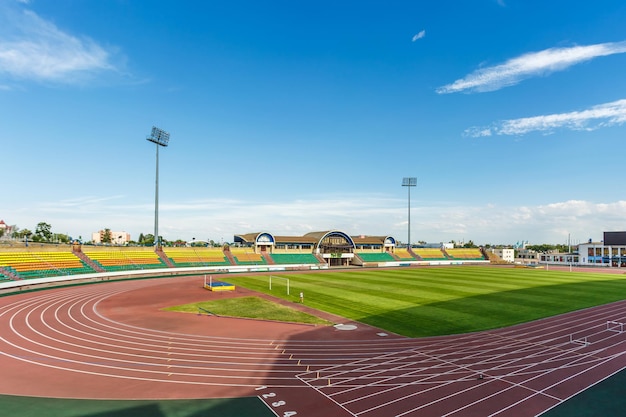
column 418, row 302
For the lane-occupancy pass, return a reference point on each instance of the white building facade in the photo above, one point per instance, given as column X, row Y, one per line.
column 600, row 254
column 506, row 254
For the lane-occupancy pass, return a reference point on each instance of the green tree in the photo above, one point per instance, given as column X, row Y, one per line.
column 43, row 231
column 562, row 248
column 541, row 248
column 148, row 240
column 62, row 238
column 24, row 233
column 106, row 236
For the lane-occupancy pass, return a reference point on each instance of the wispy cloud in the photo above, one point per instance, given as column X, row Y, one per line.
column 35, row 49
column 530, row 65
column 419, row 35
column 602, row 115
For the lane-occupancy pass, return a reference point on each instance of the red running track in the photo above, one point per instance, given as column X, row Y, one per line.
column 113, row 341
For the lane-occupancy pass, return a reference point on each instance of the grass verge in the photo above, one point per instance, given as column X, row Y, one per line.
column 252, row 308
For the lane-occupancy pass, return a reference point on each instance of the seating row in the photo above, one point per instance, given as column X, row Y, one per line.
column 183, row 257
column 127, row 259
column 430, row 254
column 376, row 256
column 403, row 254
column 465, row 253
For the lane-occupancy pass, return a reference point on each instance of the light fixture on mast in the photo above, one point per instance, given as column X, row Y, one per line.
column 160, row 138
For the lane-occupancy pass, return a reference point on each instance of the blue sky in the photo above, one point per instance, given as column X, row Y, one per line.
column 299, row 116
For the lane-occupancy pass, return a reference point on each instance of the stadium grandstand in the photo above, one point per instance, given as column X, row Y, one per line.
column 331, row 247
column 21, row 264
column 252, row 251
column 336, row 248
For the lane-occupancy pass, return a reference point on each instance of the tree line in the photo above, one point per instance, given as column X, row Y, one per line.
column 43, row 234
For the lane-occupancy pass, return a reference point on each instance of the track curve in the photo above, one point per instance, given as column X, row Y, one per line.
column 113, row 340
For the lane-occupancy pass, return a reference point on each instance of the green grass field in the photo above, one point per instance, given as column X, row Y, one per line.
column 251, row 308
column 437, row 301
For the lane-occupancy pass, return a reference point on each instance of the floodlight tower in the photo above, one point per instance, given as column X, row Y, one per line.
column 160, row 138
column 409, row 182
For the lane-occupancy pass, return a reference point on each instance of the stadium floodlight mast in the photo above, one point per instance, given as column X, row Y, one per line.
column 160, row 138
column 409, row 182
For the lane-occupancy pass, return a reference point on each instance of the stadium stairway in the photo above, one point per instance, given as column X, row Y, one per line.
column 9, row 274
column 164, row 258
column 230, row 257
column 268, row 259
column 87, row 259
column 491, row 257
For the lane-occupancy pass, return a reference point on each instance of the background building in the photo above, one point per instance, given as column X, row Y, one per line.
column 526, row 256
column 506, row 254
column 609, row 252
column 117, row 238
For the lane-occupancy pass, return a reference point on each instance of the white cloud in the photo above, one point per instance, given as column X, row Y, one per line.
column 35, row 49
column 530, row 65
column 419, row 35
column 602, row 115
column 355, row 214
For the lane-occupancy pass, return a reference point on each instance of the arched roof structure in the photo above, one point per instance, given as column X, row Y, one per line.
column 331, row 238
column 255, row 238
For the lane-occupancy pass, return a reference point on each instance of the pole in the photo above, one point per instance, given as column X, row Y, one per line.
column 156, row 202
column 409, row 234
column 409, row 182
column 569, row 244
